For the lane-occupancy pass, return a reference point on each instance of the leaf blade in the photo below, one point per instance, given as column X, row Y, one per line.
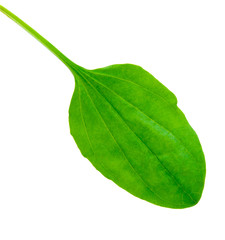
column 178, row 194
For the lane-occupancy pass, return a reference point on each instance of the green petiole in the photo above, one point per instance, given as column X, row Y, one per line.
column 41, row 39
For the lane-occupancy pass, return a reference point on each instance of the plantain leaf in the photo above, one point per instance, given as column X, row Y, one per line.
column 129, row 126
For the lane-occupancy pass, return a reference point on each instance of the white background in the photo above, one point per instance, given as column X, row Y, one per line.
column 47, row 189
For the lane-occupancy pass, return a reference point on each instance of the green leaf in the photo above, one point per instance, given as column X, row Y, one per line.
column 129, row 127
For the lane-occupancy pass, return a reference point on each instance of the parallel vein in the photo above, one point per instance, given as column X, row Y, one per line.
column 168, row 171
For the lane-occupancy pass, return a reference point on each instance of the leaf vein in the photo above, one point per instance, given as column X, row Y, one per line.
column 170, row 174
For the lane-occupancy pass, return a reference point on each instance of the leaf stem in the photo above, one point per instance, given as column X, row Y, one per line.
column 41, row 39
